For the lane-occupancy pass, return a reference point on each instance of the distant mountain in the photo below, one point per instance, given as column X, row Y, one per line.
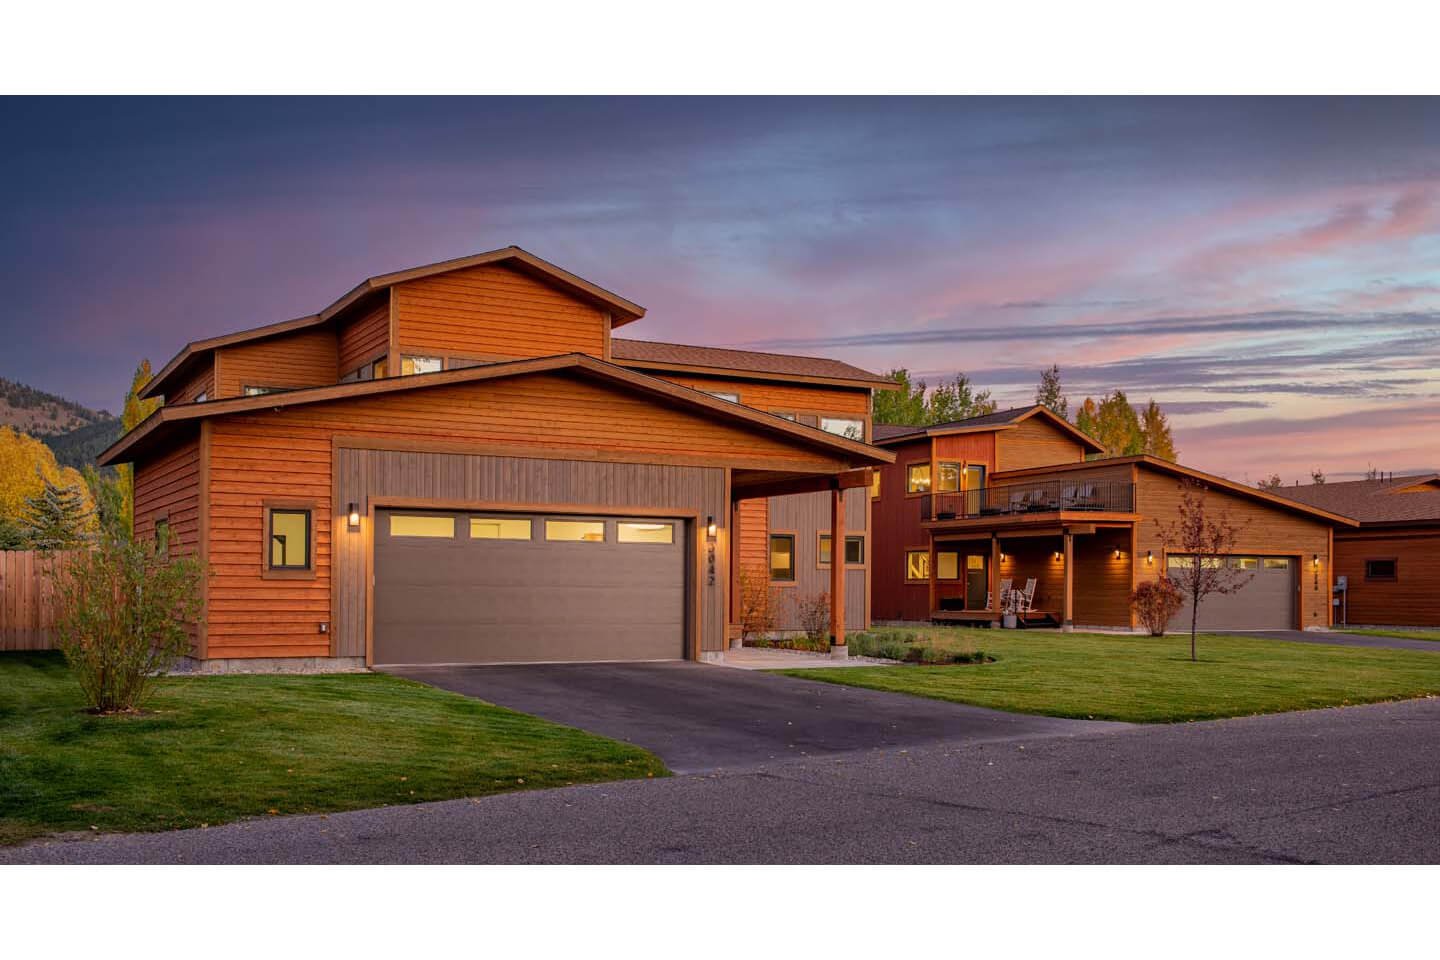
column 42, row 414
column 80, row 447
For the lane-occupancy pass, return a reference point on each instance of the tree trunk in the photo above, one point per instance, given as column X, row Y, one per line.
column 1194, row 619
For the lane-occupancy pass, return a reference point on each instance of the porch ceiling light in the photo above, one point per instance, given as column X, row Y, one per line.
column 354, row 514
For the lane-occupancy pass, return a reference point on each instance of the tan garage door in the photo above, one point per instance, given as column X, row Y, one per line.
column 459, row 587
column 1266, row 602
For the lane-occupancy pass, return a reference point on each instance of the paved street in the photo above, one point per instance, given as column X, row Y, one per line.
column 1353, row 785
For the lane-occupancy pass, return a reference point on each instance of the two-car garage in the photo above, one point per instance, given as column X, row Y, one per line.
column 507, row 587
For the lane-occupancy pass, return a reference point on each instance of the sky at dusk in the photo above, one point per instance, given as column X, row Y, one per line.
column 1269, row 270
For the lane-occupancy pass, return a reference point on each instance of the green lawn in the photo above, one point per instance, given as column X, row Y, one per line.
column 212, row 749
column 1148, row 679
column 1399, row 634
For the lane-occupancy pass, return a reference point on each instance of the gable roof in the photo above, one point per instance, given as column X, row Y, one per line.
column 622, row 311
column 1414, row 499
column 655, row 355
column 168, row 418
column 999, row 420
column 1178, row 470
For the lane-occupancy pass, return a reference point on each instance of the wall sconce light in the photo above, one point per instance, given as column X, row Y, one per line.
column 354, row 515
column 1057, row 554
column 710, row 528
column 1002, row 558
column 1149, row 558
column 1315, row 560
column 1118, row 554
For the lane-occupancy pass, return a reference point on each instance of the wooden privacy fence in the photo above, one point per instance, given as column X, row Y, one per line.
column 27, row 598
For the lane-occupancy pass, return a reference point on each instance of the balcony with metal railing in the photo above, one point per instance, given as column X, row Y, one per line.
column 1024, row 500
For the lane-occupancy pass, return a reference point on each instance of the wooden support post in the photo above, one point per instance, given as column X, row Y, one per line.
column 1069, row 622
column 994, row 580
column 930, row 577
column 837, row 568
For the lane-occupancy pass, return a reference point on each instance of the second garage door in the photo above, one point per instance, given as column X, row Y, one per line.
column 1266, row 602
column 466, row 587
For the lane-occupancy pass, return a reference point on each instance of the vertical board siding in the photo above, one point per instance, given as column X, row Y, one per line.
column 1412, row 599
column 305, row 359
column 494, row 311
column 968, row 448
column 1035, row 443
column 897, row 527
column 28, row 603
column 362, row 340
column 479, row 479
column 808, row 514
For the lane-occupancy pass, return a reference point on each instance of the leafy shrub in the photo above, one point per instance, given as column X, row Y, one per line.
column 1156, row 602
column 123, row 610
column 813, row 612
column 757, row 613
column 912, row 647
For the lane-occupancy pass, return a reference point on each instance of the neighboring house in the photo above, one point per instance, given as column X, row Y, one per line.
column 1391, row 563
column 458, row 463
column 1011, row 495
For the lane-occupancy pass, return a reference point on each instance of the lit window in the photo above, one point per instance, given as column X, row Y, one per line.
column 917, row 478
column 854, row 549
column 635, row 532
column 917, row 565
column 874, row 484
column 722, row 395
column 499, row 528
column 947, row 565
column 289, row 539
column 575, row 531
column 414, row 365
column 974, row 476
column 1381, row 569
column 974, row 562
column 782, row 556
column 1187, row 562
column 1277, row 563
column 949, row 480
column 402, row 525
column 260, row 391
column 853, row 429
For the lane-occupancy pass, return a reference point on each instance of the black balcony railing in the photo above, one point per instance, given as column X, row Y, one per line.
column 1039, row 496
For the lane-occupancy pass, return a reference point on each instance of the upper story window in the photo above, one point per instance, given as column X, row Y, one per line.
column 260, row 391
column 874, row 484
column 723, row 395
column 413, row 365
column 917, row 478
column 844, row 427
column 380, row 368
column 949, row 479
column 974, row 476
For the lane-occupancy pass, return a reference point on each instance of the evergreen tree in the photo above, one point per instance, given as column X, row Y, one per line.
column 132, row 415
column 57, row 518
column 1155, row 433
column 11, row 536
column 1048, row 393
column 959, row 400
column 905, row 406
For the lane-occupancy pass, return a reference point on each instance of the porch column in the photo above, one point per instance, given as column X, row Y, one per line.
column 837, row 573
column 994, row 580
column 930, row 577
column 1068, row 624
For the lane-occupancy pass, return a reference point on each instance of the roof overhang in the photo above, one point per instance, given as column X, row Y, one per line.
column 169, row 418
column 960, row 427
column 733, row 373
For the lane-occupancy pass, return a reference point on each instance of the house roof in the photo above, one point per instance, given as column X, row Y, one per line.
column 1393, row 500
column 1178, row 470
column 169, row 418
column 622, row 311
column 654, row 355
column 999, row 420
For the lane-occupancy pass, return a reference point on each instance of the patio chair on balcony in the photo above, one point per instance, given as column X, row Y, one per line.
column 1019, row 501
column 1039, row 501
column 1085, row 499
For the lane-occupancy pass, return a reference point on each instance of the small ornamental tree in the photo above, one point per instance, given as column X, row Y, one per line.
column 1203, row 538
column 757, row 613
column 123, row 610
column 1155, row 602
column 814, row 614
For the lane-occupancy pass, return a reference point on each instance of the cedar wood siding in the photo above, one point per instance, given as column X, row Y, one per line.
column 968, row 448
column 796, row 398
column 364, row 339
column 1270, row 531
column 807, row 515
column 896, row 519
column 1035, row 443
column 305, row 359
column 202, row 382
column 287, row 454
column 1413, row 597
column 493, row 312
column 169, row 486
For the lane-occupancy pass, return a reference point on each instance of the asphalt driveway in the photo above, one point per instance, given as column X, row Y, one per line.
column 698, row 717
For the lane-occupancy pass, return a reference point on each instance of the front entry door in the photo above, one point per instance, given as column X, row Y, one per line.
column 977, row 584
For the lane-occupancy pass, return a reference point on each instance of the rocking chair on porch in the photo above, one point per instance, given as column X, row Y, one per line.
column 1005, row 585
column 1025, row 599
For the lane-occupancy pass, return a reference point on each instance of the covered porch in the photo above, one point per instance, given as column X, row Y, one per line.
column 1083, row 570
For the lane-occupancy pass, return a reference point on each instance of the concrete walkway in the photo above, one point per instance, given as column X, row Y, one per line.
column 1349, row 639
column 1354, row 785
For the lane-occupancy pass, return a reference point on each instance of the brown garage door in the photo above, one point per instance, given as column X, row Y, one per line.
column 504, row 588
column 1267, row 602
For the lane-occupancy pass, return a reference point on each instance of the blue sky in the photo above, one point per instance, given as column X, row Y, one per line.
column 1268, row 269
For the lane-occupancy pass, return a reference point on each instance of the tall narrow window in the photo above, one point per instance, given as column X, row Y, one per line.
column 162, row 537
column 782, row 556
column 289, row 539
column 974, row 476
column 875, row 484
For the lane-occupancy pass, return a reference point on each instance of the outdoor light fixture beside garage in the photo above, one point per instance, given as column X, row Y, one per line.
column 1315, row 560
column 1149, row 557
column 710, row 527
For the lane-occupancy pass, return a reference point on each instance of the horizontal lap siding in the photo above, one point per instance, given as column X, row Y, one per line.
column 1269, row 531
column 479, row 479
column 362, row 340
column 1102, row 580
column 286, row 454
column 169, row 486
column 1035, row 443
column 1413, row 597
column 306, row 359
column 202, row 382
column 753, row 536
column 494, row 312
column 1116, row 472
column 782, row 397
